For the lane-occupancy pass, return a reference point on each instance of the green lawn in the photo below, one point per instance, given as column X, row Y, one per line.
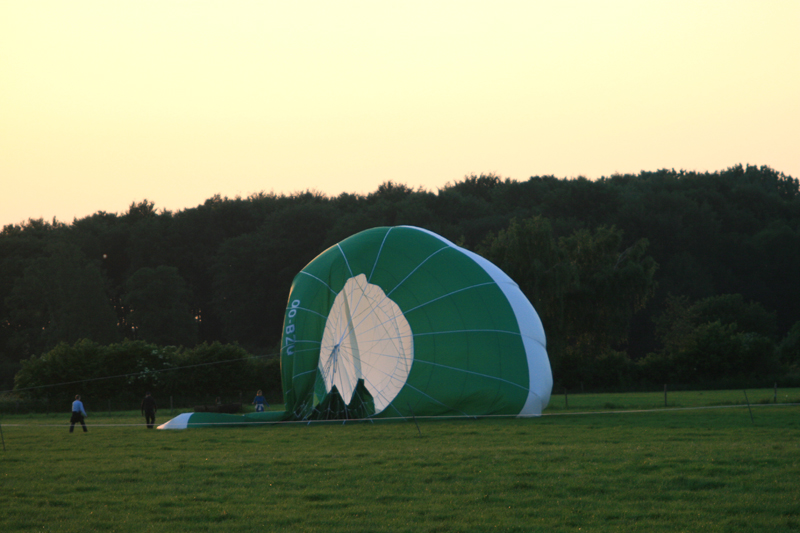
column 592, row 467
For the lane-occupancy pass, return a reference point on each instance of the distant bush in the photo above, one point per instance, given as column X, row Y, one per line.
column 124, row 371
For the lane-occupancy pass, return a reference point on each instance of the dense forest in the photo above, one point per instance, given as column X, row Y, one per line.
column 639, row 279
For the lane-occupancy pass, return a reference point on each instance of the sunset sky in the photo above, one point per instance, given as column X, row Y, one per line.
column 106, row 103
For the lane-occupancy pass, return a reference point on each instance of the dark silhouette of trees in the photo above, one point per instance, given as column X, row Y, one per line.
column 585, row 287
column 60, row 297
column 726, row 245
column 157, row 300
column 713, row 339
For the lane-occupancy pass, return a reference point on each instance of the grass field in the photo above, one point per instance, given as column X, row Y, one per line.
column 595, row 466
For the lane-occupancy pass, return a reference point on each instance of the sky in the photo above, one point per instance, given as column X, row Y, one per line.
column 103, row 104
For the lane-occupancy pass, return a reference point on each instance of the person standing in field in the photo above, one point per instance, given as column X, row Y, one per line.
column 260, row 402
column 149, row 410
column 78, row 414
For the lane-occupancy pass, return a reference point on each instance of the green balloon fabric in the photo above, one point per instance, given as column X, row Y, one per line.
column 400, row 322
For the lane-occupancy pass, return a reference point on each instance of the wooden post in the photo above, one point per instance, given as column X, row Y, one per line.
column 748, row 406
column 775, row 397
column 566, row 399
column 170, row 405
column 665, row 394
column 109, row 407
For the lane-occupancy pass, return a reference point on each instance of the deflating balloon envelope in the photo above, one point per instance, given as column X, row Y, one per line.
column 397, row 322
column 400, row 322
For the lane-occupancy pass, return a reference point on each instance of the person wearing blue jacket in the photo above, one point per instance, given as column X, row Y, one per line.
column 78, row 414
column 260, row 402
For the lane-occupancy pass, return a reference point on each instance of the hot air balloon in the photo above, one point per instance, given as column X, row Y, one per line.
column 398, row 322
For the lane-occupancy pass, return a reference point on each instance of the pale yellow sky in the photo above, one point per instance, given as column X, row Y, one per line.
column 105, row 103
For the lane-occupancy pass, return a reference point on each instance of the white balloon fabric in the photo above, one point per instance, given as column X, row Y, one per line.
column 376, row 345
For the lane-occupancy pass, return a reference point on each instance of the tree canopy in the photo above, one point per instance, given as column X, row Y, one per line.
column 602, row 261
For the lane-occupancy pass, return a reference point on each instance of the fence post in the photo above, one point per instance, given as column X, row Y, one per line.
column 170, row 405
column 775, row 397
column 566, row 399
column 748, row 406
column 665, row 394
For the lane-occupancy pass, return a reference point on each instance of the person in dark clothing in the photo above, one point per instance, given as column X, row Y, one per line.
column 149, row 410
column 78, row 414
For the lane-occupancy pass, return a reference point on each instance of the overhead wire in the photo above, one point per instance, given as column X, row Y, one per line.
column 141, row 373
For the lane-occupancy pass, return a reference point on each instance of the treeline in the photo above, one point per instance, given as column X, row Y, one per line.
column 639, row 279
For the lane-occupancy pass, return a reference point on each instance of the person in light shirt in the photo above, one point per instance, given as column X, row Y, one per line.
column 78, row 414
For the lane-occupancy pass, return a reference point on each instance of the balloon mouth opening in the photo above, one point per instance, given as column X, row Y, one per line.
column 333, row 407
column 367, row 346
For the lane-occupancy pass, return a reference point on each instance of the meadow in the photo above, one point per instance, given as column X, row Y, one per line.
column 607, row 462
